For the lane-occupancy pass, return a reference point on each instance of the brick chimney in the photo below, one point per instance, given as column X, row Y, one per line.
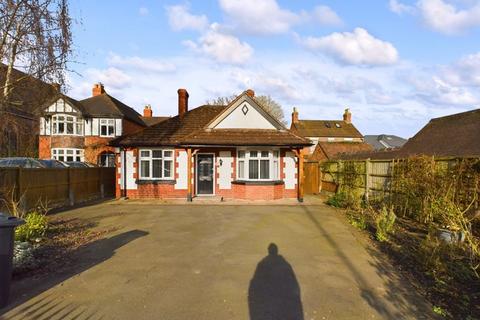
column 294, row 115
column 98, row 89
column 347, row 116
column 147, row 111
column 250, row 93
column 182, row 101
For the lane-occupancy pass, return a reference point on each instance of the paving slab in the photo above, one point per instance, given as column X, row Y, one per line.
column 177, row 261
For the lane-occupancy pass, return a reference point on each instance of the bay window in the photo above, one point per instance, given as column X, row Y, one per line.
column 67, row 154
column 258, row 165
column 156, row 164
column 67, row 125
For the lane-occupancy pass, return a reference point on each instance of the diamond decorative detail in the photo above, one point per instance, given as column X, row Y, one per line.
column 245, row 109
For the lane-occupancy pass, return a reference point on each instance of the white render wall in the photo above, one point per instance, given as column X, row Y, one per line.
column 182, row 170
column 289, row 170
column 225, row 170
column 131, row 184
column 251, row 120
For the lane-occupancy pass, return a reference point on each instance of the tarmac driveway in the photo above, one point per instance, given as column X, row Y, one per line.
column 221, row 262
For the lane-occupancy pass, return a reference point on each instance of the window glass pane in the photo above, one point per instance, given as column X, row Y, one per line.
column 264, row 154
column 145, row 169
column 61, row 127
column 70, row 158
column 253, row 169
column 275, row 169
column 167, row 170
column 157, row 168
column 241, row 154
column 167, row 154
column 70, row 151
column 241, row 169
column 275, row 154
column 144, row 153
column 60, row 151
column 264, row 169
column 111, row 130
column 69, row 128
column 253, row 154
column 157, row 154
column 103, row 130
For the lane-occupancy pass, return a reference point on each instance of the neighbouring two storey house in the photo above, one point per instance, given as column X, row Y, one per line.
column 72, row 130
column 329, row 138
column 234, row 151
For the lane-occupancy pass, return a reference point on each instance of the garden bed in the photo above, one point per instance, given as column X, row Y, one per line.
column 53, row 252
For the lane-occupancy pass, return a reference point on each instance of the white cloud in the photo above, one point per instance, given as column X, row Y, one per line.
column 110, row 77
column 221, row 47
column 180, row 18
column 357, row 48
column 400, row 8
column 141, row 64
column 326, row 16
column 446, row 18
column 143, row 11
column 258, row 17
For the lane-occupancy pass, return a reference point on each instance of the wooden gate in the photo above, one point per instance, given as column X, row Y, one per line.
column 311, row 174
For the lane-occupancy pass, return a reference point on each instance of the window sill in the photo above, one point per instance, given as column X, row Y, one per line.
column 146, row 181
column 259, row 183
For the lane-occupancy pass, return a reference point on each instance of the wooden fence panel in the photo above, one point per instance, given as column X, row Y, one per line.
column 55, row 187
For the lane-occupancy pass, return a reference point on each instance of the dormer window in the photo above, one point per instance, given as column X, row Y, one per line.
column 67, row 125
column 107, row 127
column 338, row 125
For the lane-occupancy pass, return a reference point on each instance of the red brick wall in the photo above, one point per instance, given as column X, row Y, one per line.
column 44, row 147
column 237, row 191
column 94, row 146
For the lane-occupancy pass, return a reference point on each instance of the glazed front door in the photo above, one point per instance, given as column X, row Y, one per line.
column 205, row 174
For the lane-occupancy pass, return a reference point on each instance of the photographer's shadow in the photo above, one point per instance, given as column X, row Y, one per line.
column 274, row 292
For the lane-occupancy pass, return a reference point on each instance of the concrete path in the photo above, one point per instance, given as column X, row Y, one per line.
column 220, row 262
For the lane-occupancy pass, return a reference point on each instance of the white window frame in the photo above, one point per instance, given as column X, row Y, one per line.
column 106, row 122
column 273, row 167
column 61, row 154
column 77, row 124
column 146, row 155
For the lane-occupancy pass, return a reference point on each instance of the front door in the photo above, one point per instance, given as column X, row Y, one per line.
column 205, row 174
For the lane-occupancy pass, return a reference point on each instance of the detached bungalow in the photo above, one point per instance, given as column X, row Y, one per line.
column 236, row 151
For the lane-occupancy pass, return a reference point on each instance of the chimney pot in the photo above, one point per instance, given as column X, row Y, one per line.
column 147, row 111
column 294, row 115
column 182, row 101
column 347, row 116
column 250, row 93
column 98, row 89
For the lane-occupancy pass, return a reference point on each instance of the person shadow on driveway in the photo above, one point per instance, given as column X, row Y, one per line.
column 274, row 292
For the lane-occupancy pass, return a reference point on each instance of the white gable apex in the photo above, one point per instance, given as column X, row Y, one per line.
column 61, row 106
column 245, row 114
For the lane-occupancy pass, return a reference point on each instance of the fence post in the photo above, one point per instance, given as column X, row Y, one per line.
column 22, row 201
column 102, row 187
column 71, row 194
column 367, row 178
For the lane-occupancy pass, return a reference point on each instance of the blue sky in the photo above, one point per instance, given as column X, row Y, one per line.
column 394, row 63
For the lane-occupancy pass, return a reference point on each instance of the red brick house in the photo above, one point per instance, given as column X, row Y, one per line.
column 329, row 138
column 235, row 151
column 72, row 130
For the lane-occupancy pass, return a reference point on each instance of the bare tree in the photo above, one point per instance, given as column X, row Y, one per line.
column 35, row 37
column 270, row 105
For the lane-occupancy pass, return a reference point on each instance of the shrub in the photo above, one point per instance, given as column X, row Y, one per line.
column 385, row 222
column 358, row 222
column 338, row 200
column 35, row 227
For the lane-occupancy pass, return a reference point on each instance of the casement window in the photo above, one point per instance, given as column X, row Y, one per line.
column 67, row 154
column 67, row 125
column 107, row 127
column 261, row 165
column 156, row 164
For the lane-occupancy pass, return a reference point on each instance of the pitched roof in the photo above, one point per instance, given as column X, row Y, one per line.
column 330, row 150
column 104, row 105
column 150, row 121
column 28, row 93
column 384, row 141
column 326, row 128
column 453, row 135
column 190, row 129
